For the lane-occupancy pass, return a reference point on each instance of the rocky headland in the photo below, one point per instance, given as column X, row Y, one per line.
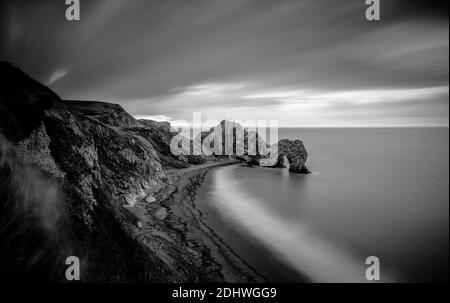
column 86, row 179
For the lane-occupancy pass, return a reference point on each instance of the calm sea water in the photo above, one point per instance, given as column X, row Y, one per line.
column 373, row 192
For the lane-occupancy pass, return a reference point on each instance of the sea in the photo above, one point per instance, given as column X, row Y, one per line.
column 373, row 192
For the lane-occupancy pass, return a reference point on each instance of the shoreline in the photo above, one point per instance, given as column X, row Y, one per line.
column 238, row 254
column 217, row 253
column 250, row 249
column 180, row 226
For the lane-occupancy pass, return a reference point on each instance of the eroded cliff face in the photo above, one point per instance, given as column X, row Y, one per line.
column 75, row 167
column 293, row 151
column 86, row 179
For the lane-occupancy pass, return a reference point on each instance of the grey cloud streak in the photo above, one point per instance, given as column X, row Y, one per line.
column 145, row 54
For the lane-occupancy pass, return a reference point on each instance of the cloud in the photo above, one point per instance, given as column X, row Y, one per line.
column 222, row 57
column 427, row 106
column 56, row 75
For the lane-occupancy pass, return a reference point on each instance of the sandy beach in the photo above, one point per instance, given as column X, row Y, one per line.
column 239, row 257
column 181, row 214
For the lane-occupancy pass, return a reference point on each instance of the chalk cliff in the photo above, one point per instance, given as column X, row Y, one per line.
column 74, row 176
column 244, row 140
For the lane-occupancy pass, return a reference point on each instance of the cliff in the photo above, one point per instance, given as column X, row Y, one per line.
column 287, row 152
column 86, row 179
column 294, row 152
column 67, row 170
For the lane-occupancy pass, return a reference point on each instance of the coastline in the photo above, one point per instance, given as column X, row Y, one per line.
column 183, row 207
column 240, row 257
column 178, row 223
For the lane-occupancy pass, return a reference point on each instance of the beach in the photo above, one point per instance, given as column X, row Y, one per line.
column 243, row 244
column 182, row 214
column 233, row 223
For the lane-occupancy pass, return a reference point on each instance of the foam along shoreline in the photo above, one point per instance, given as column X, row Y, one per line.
column 291, row 242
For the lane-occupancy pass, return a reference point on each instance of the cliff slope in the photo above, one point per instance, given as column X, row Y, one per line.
column 69, row 172
column 86, row 179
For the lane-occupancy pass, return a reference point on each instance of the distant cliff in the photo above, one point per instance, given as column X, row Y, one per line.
column 287, row 152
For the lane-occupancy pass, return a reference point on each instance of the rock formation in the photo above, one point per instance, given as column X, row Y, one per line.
column 295, row 153
column 163, row 127
column 71, row 173
column 66, row 171
column 292, row 150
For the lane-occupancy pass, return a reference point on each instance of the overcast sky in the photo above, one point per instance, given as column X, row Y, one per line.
column 301, row 62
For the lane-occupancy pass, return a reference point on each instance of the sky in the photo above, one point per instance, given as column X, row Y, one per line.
column 304, row 63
